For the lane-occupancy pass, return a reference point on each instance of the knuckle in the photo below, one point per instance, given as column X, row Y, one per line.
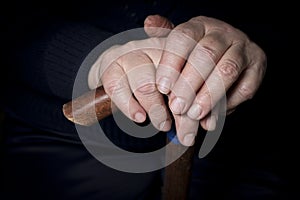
column 258, row 59
column 263, row 55
column 209, row 53
column 113, row 87
column 260, row 53
column 198, row 19
column 184, row 31
column 263, row 61
column 204, row 100
column 135, row 58
column 147, row 88
column 257, row 51
column 246, row 91
column 230, row 68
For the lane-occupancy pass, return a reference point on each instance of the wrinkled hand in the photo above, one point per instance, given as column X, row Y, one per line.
column 198, row 62
column 127, row 73
column 204, row 59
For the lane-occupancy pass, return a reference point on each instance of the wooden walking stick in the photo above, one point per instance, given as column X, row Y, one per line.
column 177, row 174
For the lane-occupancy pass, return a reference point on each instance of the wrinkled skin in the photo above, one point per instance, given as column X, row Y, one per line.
column 195, row 63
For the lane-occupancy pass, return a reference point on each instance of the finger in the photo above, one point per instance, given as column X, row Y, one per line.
column 186, row 129
column 249, row 81
column 222, row 77
column 153, row 47
column 157, row 26
column 117, row 87
column 209, row 122
column 180, row 42
column 201, row 62
column 140, row 72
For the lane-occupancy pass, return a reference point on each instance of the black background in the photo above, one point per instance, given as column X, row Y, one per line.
column 261, row 131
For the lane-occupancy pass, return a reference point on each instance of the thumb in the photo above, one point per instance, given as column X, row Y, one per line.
column 157, row 26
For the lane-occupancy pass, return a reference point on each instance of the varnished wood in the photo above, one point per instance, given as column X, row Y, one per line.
column 96, row 105
column 178, row 174
column 89, row 108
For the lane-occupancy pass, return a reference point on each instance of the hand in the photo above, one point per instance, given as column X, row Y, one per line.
column 127, row 73
column 203, row 60
column 220, row 59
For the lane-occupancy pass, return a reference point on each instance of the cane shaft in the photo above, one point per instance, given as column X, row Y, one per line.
column 178, row 173
column 96, row 105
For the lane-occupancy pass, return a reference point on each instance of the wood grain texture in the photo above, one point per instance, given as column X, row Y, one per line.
column 89, row 108
column 178, row 174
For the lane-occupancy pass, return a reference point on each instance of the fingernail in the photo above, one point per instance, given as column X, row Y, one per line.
column 189, row 139
column 139, row 117
column 164, row 85
column 177, row 105
column 211, row 123
column 195, row 111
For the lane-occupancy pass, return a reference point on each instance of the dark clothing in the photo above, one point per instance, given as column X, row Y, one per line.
column 45, row 44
